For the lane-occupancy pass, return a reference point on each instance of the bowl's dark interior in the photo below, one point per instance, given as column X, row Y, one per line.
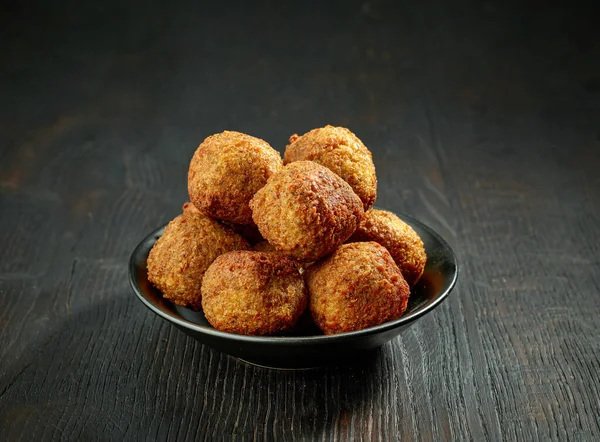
column 438, row 279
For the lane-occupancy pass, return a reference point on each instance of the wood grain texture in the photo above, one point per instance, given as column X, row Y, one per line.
column 483, row 119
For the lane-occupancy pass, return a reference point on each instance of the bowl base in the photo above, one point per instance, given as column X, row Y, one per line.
column 305, row 348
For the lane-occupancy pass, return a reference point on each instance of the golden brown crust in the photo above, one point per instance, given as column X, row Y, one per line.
column 225, row 172
column 179, row 258
column 306, row 211
column 338, row 149
column 403, row 243
column 253, row 293
column 358, row 286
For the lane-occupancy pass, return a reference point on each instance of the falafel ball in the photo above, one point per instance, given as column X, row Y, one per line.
column 225, row 172
column 306, row 211
column 403, row 243
column 253, row 293
column 338, row 149
column 358, row 286
column 179, row 258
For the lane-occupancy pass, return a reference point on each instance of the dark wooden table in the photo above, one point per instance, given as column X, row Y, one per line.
column 484, row 122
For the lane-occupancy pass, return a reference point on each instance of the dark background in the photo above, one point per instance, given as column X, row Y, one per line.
column 484, row 122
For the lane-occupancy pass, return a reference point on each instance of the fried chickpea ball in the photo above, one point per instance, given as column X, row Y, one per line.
column 341, row 151
column 253, row 293
column 306, row 211
column 225, row 172
column 358, row 286
column 403, row 243
column 179, row 258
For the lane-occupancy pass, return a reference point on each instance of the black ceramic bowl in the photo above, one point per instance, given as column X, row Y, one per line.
column 308, row 348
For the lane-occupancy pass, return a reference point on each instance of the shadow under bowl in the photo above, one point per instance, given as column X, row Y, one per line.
column 307, row 347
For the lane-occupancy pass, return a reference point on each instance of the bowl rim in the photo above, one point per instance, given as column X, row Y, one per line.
column 296, row 340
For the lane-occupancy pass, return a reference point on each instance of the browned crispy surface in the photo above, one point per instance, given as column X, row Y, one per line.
column 253, row 293
column 225, row 172
column 341, row 151
column 403, row 243
column 358, row 286
column 306, row 211
column 178, row 260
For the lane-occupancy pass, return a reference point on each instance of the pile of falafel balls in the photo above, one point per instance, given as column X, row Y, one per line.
column 264, row 239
